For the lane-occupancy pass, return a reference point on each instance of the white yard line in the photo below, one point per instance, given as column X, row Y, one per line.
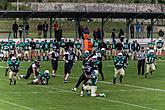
column 106, row 99
column 110, row 100
column 18, row 105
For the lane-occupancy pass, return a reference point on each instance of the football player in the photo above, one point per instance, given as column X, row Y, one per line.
column 42, row 78
column 54, row 56
column 159, row 46
column 38, row 50
column 13, row 65
column 34, row 68
column 119, row 64
column 151, row 62
column 78, row 49
column 69, row 57
column 99, row 58
column 92, row 87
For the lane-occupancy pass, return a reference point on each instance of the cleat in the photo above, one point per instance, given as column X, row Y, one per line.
column 65, row 81
column 82, row 93
column 74, row 89
column 53, row 75
column 14, row 82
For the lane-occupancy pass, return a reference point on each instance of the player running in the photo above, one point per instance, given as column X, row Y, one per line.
column 69, row 57
column 151, row 62
column 119, row 64
column 159, row 46
column 54, row 56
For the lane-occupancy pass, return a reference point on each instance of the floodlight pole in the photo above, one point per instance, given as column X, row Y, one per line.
column 152, row 28
column 50, row 27
column 77, row 27
column 24, row 26
column 17, row 8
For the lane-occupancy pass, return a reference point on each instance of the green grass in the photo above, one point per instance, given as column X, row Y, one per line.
column 148, row 94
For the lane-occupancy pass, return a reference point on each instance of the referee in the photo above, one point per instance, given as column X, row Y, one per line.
column 141, row 60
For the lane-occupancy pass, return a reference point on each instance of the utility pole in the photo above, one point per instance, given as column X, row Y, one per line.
column 17, row 8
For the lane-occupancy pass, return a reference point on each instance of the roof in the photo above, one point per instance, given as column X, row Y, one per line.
column 80, row 14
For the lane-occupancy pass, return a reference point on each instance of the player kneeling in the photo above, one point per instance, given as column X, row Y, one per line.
column 42, row 78
column 14, row 68
column 91, row 87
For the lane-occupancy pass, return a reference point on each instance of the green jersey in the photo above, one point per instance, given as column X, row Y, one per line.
column 126, row 45
column 18, row 46
column 26, row 46
column 93, row 80
column 6, row 47
column 51, row 43
column 84, row 57
column 108, row 45
column 113, row 45
column 46, row 46
column 150, row 58
column 119, row 62
column 151, row 45
column 62, row 44
column 38, row 45
column 14, row 66
column 96, row 44
column 159, row 44
column 77, row 45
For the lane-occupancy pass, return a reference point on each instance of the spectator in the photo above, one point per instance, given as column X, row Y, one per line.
column 86, row 30
column 119, row 47
column 161, row 33
column 135, row 47
column 113, row 36
column 95, row 34
column 27, row 29
column 20, row 30
column 33, row 47
column 149, row 28
column 142, row 30
column 138, row 29
column 39, row 29
column 45, row 29
column 121, row 35
column 80, row 31
column 99, row 34
column 132, row 30
column 59, row 34
column 55, row 26
column 15, row 29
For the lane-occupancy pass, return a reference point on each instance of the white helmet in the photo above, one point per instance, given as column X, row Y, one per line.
column 160, row 38
column 86, row 51
column 102, row 49
column 13, row 58
column 151, row 51
column 46, row 71
column 120, row 54
column 94, row 57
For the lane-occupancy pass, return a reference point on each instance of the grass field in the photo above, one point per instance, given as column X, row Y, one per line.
column 137, row 93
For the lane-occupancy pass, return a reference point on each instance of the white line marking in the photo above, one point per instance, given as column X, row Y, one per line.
column 110, row 100
column 130, row 104
column 18, row 105
column 104, row 82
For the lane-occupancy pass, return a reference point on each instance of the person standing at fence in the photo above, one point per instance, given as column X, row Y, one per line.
column 132, row 30
column 161, row 33
column 149, row 28
column 39, row 29
column 20, row 30
column 45, row 29
column 138, row 29
column 15, row 29
column 141, row 55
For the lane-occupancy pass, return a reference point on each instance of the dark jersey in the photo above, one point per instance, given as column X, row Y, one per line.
column 69, row 56
column 14, row 66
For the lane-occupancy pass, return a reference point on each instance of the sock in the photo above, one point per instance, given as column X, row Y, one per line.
column 121, row 77
column 114, row 81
